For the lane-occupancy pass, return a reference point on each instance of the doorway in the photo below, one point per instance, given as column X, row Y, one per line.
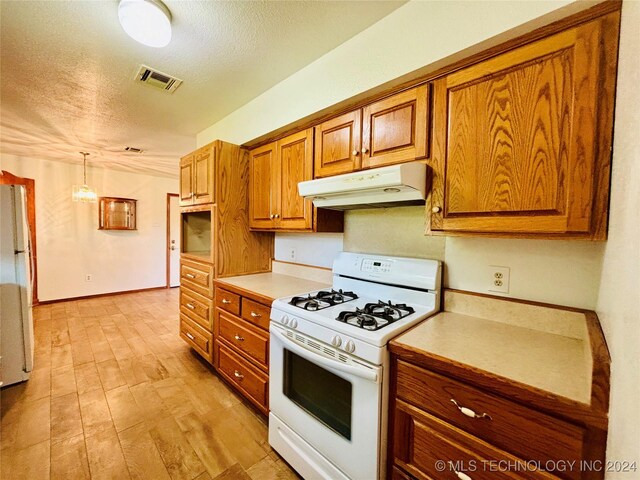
column 29, row 184
column 173, row 240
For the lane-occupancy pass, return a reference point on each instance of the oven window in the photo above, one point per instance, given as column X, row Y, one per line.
column 321, row 393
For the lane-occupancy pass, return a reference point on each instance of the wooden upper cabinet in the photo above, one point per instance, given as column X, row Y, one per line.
column 516, row 139
column 262, row 187
column 196, row 177
column 337, row 145
column 274, row 202
column 203, row 175
column 294, row 164
column 394, row 129
column 186, row 180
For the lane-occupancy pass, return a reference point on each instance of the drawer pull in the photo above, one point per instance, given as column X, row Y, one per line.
column 460, row 475
column 190, row 336
column 189, row 275
column 189, row 305
column 470, row 413
column 255, row 315
column 238, row 375
column 225, row 301
column 238, row 338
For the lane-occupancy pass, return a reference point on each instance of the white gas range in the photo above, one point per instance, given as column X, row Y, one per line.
column 328, row 361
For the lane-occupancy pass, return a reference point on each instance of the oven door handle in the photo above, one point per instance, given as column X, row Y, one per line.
column 362, row 372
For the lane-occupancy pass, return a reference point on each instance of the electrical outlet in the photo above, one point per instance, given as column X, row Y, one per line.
column 499, row 279
column 88, row 277
column 292, row 254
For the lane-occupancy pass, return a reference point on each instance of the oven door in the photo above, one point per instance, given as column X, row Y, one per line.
column 333, row 405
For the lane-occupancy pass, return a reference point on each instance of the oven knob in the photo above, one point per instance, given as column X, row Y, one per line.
column 350, row 346
column 293, row 323
column 284, row 320
column 336, row 341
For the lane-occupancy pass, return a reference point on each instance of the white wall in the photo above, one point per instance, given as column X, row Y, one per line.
column 318, row 249
column 619, row 299
column 69, row 244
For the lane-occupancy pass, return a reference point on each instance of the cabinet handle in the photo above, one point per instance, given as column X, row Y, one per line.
column 436, row 209
column 365, row 149
column 470, row 413
column 272, row 216
column 460, row 475
column 355, row 153
column 238, row 375
column 238, row 338
column 277, row 215
column 255, row 315
column 190, row 336
column 189, row 305
column 188, row 275
column 225, row 301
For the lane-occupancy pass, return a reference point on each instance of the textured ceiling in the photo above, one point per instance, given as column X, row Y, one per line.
column 67, row 72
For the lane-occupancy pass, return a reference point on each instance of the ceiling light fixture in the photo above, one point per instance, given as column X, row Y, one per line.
column 84, row 193
column 146, row 21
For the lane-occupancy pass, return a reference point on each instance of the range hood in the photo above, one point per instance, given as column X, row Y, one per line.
column 403, row 184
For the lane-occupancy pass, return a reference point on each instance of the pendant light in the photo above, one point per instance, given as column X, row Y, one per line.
column 84, row 193
column 146, row 21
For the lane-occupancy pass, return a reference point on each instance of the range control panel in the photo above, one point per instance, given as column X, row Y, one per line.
column 375, row 266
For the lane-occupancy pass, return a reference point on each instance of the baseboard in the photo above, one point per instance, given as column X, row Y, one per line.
column 98, row 295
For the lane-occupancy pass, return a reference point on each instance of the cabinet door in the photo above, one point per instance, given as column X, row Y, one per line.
column 203, row 175
column 514, row 139
column 294, row 164
column 394, row 130
column 337, row 143
column 262, row 207
column 186, row 180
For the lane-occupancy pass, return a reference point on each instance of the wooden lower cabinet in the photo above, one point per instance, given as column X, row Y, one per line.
column 241, row 343
column 445, row 428
column 197, row 337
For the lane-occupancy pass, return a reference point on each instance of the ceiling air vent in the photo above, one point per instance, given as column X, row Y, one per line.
column 133, row 149
column 157, row 79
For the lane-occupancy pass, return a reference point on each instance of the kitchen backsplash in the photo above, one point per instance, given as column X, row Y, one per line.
column 391, row 231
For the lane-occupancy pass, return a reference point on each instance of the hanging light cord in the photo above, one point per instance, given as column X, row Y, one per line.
column 84, row 167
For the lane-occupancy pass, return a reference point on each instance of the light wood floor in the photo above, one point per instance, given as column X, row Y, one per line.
column 116, row 394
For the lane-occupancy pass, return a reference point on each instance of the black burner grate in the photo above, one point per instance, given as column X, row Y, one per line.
column 374, row 316
column 323, row 299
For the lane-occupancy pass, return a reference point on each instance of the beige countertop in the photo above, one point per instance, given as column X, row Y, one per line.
column 273, row 285
column 521, row 345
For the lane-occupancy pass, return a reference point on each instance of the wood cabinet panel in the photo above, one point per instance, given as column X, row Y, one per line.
column 249, row 380
column 248, row 339
column 514, row 148
column 395, row 129
column 294, row 163
column 197, row 277
column 204, row 173
column 423, row 441
column 262, row 200
column 228, row 301
column 197, row 308
column 337, row 145
column 507, row 425
column 186, row 180
column 197, row 337
column 256, row 313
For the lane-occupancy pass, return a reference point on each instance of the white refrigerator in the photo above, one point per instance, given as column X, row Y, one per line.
column 16, row 319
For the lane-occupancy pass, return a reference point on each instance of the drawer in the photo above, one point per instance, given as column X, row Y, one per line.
column 527, row 433
column 247, row 338
column 197, row 337
column 251, row 382
column 256, row 313
column 228, row 301
column 423, row 442
column 197, row 277
column 197, row 308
